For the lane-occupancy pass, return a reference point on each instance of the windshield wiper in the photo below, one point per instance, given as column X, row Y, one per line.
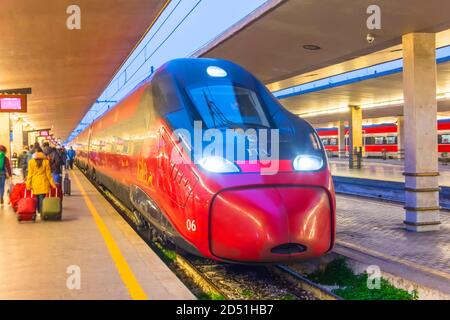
column 217, row 114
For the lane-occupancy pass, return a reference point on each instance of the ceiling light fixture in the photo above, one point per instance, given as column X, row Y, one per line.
column 311, row 47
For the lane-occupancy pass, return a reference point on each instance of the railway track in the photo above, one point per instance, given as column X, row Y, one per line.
column 319, row 291
column 211, row 280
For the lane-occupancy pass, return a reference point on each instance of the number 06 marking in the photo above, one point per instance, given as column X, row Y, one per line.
column 190, row 225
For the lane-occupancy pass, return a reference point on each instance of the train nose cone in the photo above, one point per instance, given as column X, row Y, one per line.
column 270, row 224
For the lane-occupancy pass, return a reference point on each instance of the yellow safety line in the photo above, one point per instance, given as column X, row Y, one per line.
column 391, row 258
column 125, row 272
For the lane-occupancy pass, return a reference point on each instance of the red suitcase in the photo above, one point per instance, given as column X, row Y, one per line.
column 58, row 189
column 17, row 193
column 26, row 208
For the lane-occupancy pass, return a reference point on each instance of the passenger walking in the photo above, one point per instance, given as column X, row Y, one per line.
column 36, row 147
column 63, row 154
column 23, row 161
column 71, row 157
column 5, row 171
column 46, row 148
column 39, row 178
column 56, row 163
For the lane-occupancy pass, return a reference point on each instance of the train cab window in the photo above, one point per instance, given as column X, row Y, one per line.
column 228, row 106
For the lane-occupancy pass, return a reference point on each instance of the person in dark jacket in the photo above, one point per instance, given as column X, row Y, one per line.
column 23, row 161
column 56, row 163
column 46, row 148
column 63, row 154
column 5, row 171
column 36, row 147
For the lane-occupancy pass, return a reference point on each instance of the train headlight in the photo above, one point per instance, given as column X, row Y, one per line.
column 307, row 163
column 218, row 165
column 216, row 72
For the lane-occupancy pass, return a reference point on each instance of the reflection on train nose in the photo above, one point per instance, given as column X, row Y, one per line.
column 270, row 224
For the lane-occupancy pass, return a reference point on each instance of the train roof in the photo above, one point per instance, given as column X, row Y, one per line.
column 192, row 70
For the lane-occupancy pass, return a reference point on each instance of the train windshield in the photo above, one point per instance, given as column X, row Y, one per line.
column 228, row 106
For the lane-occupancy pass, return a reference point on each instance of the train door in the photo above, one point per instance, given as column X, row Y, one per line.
column 88, row 147
column 364, row 142
column 175, row 180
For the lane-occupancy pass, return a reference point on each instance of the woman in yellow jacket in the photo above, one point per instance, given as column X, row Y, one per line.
column 39, row 178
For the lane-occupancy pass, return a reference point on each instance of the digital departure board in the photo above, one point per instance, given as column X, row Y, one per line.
column 13, row 103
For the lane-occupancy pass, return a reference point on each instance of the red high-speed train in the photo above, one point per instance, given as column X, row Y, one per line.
column 217, row 207
column 379, row 138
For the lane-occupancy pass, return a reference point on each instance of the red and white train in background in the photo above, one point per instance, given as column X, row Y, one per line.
column 379, row 138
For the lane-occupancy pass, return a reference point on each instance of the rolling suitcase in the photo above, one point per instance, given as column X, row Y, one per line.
column 26, row 208
column 59, row 190
column 67, row 185
column 52, row 206
column 17, row 193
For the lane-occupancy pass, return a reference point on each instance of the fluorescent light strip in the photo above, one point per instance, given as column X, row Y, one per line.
column 399, row 102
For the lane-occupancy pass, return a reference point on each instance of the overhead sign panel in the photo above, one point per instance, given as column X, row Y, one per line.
column 13, row 103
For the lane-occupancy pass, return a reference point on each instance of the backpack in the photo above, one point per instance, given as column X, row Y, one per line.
column 3, row 164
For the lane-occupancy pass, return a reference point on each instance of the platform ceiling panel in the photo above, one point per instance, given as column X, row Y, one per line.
column 67, row 69
column 272, row 46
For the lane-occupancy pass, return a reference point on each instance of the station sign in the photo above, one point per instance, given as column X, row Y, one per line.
column 13, row 103
column 44, row 133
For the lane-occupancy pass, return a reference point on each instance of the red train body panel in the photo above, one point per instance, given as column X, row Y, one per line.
column 243, row 216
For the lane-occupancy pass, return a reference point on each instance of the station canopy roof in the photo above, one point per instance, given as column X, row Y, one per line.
column 272, row 47
column 67, row 69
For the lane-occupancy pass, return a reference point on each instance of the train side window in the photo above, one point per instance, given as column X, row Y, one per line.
column 333, row 142
column 369, row 141
column 379, row 140
column 325, row 141
column 391, row 140
column 445, row 138
column 136, row 147
column 165, row 95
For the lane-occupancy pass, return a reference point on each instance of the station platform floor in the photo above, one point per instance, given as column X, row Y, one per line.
column 376, row 229
column 385, row 170
column 91, row 254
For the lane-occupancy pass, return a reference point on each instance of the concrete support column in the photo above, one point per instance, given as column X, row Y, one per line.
column 355, row 136
column 17, row 143
column 420, row 112
column 5, row 132
column 341, row 139
column 401, row 137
